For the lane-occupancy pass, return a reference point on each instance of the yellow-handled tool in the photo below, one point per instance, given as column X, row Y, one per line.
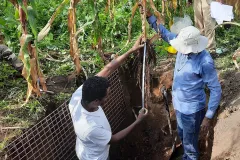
column 171, row 50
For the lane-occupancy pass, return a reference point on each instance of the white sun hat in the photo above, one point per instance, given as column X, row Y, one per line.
column 189, row 40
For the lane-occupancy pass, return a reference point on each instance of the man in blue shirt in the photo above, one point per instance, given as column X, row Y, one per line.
column 194, row 70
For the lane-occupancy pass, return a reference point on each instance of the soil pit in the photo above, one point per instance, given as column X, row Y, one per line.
column 151, row 139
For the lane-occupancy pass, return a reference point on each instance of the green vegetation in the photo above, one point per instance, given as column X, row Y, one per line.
column 99, row 21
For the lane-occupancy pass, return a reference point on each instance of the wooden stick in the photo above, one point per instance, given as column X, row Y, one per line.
column 11, row 128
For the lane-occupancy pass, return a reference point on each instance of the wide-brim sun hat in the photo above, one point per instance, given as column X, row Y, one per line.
column 189, row 40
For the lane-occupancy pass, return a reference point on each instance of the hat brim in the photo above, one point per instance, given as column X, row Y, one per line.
column 186, row 49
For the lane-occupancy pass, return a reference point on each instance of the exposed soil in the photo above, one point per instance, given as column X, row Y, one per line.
column 150, row 140
column 226, row 144
column 227, row 137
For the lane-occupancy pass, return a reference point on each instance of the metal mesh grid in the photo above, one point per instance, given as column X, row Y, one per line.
column 53, row 138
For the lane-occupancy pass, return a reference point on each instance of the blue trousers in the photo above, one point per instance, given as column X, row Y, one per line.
column 188, row 130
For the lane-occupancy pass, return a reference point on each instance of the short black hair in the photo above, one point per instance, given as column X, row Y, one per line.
column 94, row 88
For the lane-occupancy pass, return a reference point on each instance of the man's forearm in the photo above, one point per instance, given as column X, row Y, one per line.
column 123, row 133
column 10, row 57
column 213, row 103
column 113, row 65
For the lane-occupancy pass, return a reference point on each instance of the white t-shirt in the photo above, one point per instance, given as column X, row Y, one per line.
column 92, row 129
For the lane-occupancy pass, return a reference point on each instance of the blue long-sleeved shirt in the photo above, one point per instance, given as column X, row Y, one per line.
column 192, row 73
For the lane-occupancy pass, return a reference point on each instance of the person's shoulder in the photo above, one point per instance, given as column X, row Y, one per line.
column 76, row 97
column 77, row 94
column 206, row 57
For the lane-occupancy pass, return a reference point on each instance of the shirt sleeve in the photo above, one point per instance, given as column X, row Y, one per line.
column 100, row 136
column 75, row 100
column 210, row 78
column 166, row 34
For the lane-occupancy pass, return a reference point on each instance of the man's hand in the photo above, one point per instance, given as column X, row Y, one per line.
column 143, row 113
column 148, row 13
column 123, row 133
column 137, row 45
column 114, row 64
column 206, row 124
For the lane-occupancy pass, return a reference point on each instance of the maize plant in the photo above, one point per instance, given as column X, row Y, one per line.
column 28, row 52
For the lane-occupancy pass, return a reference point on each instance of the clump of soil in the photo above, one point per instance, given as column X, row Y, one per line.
column 230, row 82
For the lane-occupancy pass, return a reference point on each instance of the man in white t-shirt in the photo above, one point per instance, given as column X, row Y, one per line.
column 91, row 126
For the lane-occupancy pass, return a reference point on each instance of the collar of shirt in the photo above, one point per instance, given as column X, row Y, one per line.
column 95, row 114
column 193, row 55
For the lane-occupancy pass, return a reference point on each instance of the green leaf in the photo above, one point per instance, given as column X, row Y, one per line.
column 33, row 4
column 26, row 55
column 2, row 22
column 32, row 20
column 16, row 15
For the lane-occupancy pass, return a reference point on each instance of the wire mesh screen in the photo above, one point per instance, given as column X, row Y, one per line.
column 115, row 104
column 53, row 138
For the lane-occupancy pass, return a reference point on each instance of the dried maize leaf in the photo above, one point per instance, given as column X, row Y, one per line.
column 29, row 92
column 163, row 7
column 71, row 30
column 142, row 8
column 76, row 57
column 174, row 4
column 22, row 4
column 74, row 51
column 70, row 20
column 154, row 38
column 170, row 23
column 34, row 76
column 14, row 2
column 38, row 70
column 156, row 12
column 130, row 21
column 237, row 8
column 100, row 49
